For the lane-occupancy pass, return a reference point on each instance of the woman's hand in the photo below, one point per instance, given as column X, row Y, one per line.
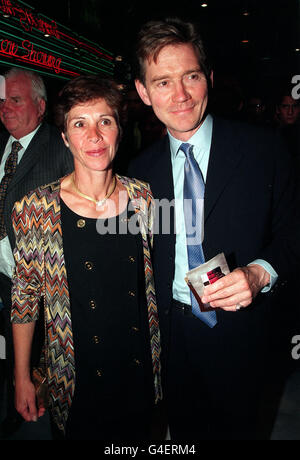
column 25, row 401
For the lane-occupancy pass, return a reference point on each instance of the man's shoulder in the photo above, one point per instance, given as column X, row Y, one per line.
column 48, row 132
column 150, row 156
column 243, row 129
column 258, row 141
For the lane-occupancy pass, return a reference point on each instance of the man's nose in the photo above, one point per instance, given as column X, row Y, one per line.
column 6, row 105
column 180, row 92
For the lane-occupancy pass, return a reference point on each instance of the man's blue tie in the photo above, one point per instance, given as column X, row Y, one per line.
column 193, row 205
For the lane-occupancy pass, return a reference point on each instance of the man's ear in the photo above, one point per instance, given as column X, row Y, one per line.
column 142, row 91
column 212, row 78
column 41, row 108
column 65, row 139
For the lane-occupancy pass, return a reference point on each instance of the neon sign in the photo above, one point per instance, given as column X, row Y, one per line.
column 28, row 54
column 30, row 39
column 28, row 20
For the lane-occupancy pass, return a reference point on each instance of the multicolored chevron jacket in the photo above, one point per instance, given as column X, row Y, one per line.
column 41, row 272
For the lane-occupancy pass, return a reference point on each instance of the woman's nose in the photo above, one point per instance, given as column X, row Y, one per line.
column 94, row 134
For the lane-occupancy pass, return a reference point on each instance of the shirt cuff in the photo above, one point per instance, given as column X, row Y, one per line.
column 270, row 270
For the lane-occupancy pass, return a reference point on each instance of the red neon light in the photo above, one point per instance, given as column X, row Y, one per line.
column 29, row 54
column 28, row 20
column 84, row 45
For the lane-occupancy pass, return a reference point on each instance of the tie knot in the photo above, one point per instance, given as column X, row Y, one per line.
column 186, row 148
column 16, row 146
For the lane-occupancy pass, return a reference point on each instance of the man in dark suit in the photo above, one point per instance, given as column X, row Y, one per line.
column 32, row 153
column 214, row 367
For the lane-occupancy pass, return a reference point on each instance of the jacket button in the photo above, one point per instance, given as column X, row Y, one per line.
column 93, row 305
column 135, row 329
column 131, row 259
column 131, row 293
column 81, row 223
column 96, row 339
column 89, row 266
column 98, row 373
column 137, row 362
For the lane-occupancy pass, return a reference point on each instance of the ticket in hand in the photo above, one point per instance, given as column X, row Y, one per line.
column 205, row 274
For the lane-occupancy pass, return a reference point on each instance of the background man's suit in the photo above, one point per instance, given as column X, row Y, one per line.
column 249, row 197
column 45, row 160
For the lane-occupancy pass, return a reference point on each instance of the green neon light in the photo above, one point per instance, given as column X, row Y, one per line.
column 65, row 28
column 34, row 70
column 108, row 63
column 74, row 66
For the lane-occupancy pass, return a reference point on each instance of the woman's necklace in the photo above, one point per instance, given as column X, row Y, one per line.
column 98, row 203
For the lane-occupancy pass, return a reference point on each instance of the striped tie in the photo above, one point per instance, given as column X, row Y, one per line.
column 193, row 206
column 9, row 171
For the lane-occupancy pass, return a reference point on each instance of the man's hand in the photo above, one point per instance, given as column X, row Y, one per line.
column 238, row 287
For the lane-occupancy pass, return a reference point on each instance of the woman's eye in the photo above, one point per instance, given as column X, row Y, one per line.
column 105, row 122
column 78, row 124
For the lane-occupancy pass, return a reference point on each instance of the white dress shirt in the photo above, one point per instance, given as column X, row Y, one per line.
column 7, row 263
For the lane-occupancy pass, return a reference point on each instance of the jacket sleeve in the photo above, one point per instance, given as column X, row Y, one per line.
column 27, row 283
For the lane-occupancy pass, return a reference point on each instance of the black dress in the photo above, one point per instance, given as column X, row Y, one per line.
column 113, row 370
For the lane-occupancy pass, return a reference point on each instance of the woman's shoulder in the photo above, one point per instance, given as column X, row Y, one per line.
column 36, row 196
column 135, row 185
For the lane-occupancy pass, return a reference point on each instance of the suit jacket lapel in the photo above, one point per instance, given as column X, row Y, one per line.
column 3, row 141
column 34, row 150
column 162, row 177
column 223, row 163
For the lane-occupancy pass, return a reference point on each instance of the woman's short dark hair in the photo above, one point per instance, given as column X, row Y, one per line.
column 155, row 35
column 88, row 88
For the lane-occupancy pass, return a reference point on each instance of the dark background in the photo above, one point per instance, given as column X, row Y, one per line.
column 262, row 65
column 272, row 28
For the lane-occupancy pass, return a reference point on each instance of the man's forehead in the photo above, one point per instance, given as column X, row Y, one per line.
column 17, row 85
column 2, row 87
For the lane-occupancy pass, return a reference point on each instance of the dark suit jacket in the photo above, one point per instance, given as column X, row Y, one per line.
column 45, row 160
column 249, row 198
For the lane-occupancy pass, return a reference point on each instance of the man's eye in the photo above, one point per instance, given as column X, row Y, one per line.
column 78, row 124
column 194, row 76
column 162, row 84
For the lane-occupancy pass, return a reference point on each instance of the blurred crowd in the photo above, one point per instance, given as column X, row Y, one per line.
column 228, row 100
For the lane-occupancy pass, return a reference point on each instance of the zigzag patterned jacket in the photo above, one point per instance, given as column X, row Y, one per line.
column 41, row 272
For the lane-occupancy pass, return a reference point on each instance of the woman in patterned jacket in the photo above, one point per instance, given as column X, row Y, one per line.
column 83, row 245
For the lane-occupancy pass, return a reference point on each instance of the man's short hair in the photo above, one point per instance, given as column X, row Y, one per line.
column 37, row 83
column 155, row 35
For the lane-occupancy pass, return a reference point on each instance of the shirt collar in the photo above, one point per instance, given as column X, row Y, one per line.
column 25, row 141
column 201, row 139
